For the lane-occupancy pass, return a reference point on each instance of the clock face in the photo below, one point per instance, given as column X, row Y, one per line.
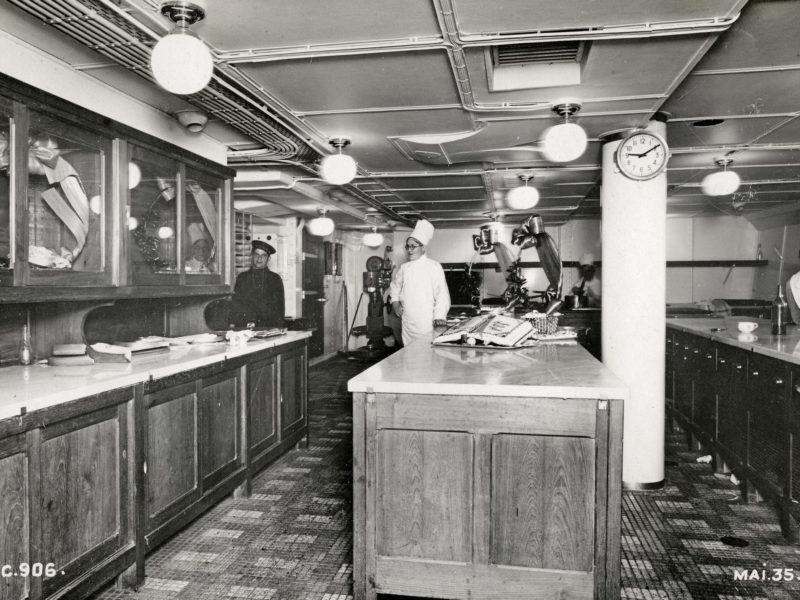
column 642, row 155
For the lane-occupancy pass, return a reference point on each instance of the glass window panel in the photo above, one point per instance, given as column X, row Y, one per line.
column 153, row 214
column 202, row 221
column 66, row 187
column 6, row 157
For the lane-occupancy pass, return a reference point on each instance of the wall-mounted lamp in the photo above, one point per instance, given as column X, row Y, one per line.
column 373, row 239
column 338, row 169
column 721, row 183
column 193, row 120
column 566, row 141
column 181, row 62
column 321, row 226
column 524, row 196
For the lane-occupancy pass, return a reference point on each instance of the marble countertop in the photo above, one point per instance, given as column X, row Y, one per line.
column 25, row 389
column 783, row 347
column 554, row 370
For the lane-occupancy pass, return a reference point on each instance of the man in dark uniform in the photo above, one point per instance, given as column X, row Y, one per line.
column 258, row 293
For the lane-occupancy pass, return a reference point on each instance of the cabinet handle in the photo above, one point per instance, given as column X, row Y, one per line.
column 754, row 374
column 709, row 356
column 738, row 367
column 778, row 381
column 696, row 351
column 722, row 361
column 685, row 358
column 797, row 388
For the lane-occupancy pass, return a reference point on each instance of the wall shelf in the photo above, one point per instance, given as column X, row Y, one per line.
column 574, row 263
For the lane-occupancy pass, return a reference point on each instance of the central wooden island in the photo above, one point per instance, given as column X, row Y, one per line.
column 487, row 474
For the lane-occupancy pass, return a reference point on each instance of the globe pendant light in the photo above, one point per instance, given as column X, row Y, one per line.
column 566, row 141
column 721, row 183
column 373, row 239
column 321, row 226
column 338, row 169
column 523, row 197
column 182, row 63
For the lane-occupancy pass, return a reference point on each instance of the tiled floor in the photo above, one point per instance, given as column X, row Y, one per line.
column 291, row 540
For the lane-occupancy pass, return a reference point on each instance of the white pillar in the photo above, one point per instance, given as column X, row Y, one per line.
column 634, row 310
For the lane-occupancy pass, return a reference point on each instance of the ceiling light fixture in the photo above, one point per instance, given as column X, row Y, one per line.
column 721, row 183
column 181, row 62
column 524, row 196
column 321, row 226
column 338, row 169
column 566, row 141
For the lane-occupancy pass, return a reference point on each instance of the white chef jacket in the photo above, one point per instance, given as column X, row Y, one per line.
column 793, row 297
column 419, row 285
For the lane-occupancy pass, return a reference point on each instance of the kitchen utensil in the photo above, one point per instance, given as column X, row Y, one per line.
column 575, row 301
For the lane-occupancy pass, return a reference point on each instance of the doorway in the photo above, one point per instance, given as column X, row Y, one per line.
column 314, row 292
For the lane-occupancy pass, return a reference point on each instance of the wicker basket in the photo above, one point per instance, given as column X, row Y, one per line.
column 544, row 324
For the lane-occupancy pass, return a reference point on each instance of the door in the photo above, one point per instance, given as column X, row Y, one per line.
column 314, row 291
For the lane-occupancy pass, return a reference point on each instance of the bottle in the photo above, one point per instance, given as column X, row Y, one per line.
column 780, row 313
column 25, row 349
column 759, row 253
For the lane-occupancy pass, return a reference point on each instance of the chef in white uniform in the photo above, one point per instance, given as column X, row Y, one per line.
column 793, row 296
column 418, row 288
column 589, row 285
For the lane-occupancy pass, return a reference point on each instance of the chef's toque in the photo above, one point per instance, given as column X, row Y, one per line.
column 423, row 232
column 586, row 259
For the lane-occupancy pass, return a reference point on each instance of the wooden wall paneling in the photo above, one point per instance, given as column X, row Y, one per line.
column 371, row 497
column 482, row 498
column 135, row 497
column 601, row 493
column 12, row 318
column 58, row 323
column 33, row 441
column 613, row 450
column 424, row 495
column 171, row 460
column 218, row 402
column 359, row 497
column 542, row 515
column 13, row 514
column 246, row 487
column 80, row 495
column 185, row 316
column 262, row 405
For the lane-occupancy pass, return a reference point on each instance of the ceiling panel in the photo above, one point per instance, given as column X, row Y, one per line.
column 367, row 81
column 247, row 24
column 682, row 134
column 504, row 16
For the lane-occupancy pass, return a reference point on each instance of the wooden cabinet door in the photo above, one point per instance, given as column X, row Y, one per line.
column 765, row 396
column 171, row 459
column 262, row 406
column 705, row 397
column 14, row 514
column 793, row 482
column 293, row 392
column 731, row 405
column 83, row 507
column 218, row 400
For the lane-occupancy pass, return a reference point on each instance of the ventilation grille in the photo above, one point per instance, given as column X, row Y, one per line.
column 107, row 32
column 541, row 53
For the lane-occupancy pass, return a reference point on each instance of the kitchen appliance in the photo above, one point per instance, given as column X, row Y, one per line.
column 572, row 301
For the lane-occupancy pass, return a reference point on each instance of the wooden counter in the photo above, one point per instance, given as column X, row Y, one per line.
column 487, row 474
column 100, row 464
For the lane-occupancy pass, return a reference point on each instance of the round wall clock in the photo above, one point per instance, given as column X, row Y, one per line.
column 642, row 155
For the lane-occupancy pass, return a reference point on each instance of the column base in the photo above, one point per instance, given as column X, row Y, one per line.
column 633, row 486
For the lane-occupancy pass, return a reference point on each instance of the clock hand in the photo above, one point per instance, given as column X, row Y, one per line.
column 649, row 151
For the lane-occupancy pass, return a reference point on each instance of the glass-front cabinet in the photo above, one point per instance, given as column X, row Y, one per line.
column 152, row 218
column 68, row 184
column 6, row 206
column 202, row 235
column 89, row 203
